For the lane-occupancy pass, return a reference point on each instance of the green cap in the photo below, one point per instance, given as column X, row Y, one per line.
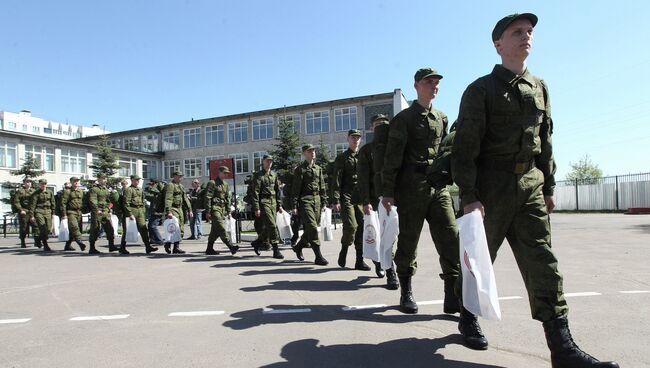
column 356, row 132
column 224, row 169
column 73, row 179
column 503, row 24
column 308, row 146
column 177, row 173
column 42, row 181
column 267, row 157
column 135, row 177
column 426, row 73
column 379, row 117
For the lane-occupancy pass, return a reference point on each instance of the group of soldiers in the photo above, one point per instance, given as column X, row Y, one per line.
column 499, row 153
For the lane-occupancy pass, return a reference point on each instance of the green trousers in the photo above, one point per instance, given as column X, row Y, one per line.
column 74, row 223
column 43, row 223
column 268, row 230
column 309, row 211
column 138, row 214
column 23, row 226
column 352, row 217
column 218, row 227
column 96, row 223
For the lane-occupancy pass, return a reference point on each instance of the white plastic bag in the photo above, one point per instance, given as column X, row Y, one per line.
column 479, row 285
column 56, row 222
column 389, row 225
column 231, row 226
column 326, row 224
column 64, row 232
column 115, row 222
column 371, row 236
column 172, row 230
column 283, row 222
column 132, row 234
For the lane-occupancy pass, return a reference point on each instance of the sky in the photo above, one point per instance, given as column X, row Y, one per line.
column 134, row 64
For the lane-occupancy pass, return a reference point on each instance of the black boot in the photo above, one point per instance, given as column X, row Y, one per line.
column 149, row 249
column 276, row 252
column 81, row 245
column 564, row 351
column 68, row 246
column 391, row 280
column 168, row 248
column 378, row 271
column 123, row 249
column 22, row 243
column 233, row 248
column 451, row 305
column 407, row 303
column 38, row 242
column 46, row 247
column 298, row 250
column 111, row 245
column 360, row 264
column 177, row 249
column 343, row 254
column 92, row 249
column 471, row 331
column 265, row 246
column 256, row 246
column 209, row 251
column 320, row 260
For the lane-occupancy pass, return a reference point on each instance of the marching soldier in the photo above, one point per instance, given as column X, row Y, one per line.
column 133, row 207
column 41, row 208
column 266, row 202
column 71, row 209
column 217, row 203
column 100, row 214
column 152, row 194
column 21, row 203
column 176, row 205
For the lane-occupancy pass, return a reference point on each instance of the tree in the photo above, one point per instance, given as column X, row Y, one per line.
column 323, row 160
column 584, row 171
column 286, row 152
column 29, row 170
column 105, row 161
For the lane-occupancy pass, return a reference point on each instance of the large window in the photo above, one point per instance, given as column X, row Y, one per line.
column 169, row 167
column 295, row 119
column 7, row 154
column 193, row 167
column 191, row 137
column 241, row 162
column 114, row 143
column 150, row 143
column 132, row 144
column 346, row 118
column 44, row 156
column 257, row 159
column 210, row 158
column 238, row 132
column 171, row 140
column 340, row 148
column 73, row 161
column 150, row 169
column 128, row 166
column 262, row 129
column 24, row 127
column 11, row 125
column 214, row 135
column 36, row 130
column 317, row 122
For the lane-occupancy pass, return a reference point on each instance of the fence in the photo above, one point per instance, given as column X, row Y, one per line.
column 612, row 193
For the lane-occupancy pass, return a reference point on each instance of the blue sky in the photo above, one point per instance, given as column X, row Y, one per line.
column 130, row 64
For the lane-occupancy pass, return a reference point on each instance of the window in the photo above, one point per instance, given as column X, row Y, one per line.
column 346, row 118
column 47, row 130
column 24, row 127
column 150, row 143
column 132, row 144
column 44, row 156
column 114, row 143
column 36, row 130
column 214, row 135
column 193, row 167
column 11, row 125
column 238, row 132
column 169, row 167
column 208, row 159
column 7, row 154
column 340, row 148
column 317, row 122
column 127, row 166
column 262, row 129
column 241, row 162
column 171, row 140
column 191, row 137
column 149, row 169
column 257, row 160
column 73, row 161
column 48, row 164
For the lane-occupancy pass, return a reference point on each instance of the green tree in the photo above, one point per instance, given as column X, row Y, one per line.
column 105, row 161
column 584, row 171
column 323, row 160
column 31, row 169
column 286, row 152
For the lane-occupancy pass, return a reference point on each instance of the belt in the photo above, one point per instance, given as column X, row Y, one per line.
column 509, row 166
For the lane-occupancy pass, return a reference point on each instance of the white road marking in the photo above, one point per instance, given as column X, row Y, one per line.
column 362, row 307
column 283, row 311
column 431, row 302
column 635, row 292
column 100, row 318
column 510, row 298
column 17, row 320
column 587, row 293
column 196, row 314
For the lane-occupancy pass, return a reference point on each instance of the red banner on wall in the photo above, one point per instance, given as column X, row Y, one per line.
column 215, row 164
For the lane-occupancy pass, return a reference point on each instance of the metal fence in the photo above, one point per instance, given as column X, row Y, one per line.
column 612, row 193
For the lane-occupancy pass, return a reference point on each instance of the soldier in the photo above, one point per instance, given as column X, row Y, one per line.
column 100, row 214
column 71, row 209
column 133, row 207
column 369, row 182
column 41, row 208
column 176, row 205
column 346, row 200
column 197, row 210
column 503, row 164
column 308, row 198
column 413, row 139
column 266, row 202
column 217, row 202
column 152, row 195
column 21, row 203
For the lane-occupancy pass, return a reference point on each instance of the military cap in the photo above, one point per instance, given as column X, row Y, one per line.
column 425, row 73
column 503, row 24
column 177, row 173
column 73, row 179
column 267, row 157
column 42, row 181
column 224, row 169
column 135, row 177
column 99, row 176
column 308, row 146
column 27, row 180
column 379, row 117
column 356, row 132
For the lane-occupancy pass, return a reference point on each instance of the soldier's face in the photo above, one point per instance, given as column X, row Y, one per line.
column 42, row 186
column 75, row 184
column 101, row 181
column 267, row 164
column 354, row 141
column 309, row 154
column 516, row 41
column 28, row 184
column 135, row 182
column 427, row 88
column 177, row 179
column 222, row 175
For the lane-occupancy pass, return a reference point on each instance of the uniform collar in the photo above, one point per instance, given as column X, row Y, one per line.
column 421, row 110
column 511, row 78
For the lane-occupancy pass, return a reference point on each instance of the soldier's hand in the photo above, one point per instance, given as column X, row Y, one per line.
column 132, row 217
column 473, row 207
column 367, row 209
column 191, row 214
column 337, row 207
column 32, row 220
column 388, row 202
column 99, row 212
column 295, row 212
column 280, row 209
column 169, row 215
column 22, row 212
column 550, row 203
column 258, row 213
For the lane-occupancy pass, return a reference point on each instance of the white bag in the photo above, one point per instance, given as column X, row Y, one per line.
column 326, row 224
column 56, row 222
column 115, row 222
column 64, row 232
column 132, row 234
column 172, row 230
column 283, row 222
column 479, row 285
column 389, row 225
column 231, row 226
column 371, row 236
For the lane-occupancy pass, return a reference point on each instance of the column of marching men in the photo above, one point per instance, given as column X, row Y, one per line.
column 499, row 153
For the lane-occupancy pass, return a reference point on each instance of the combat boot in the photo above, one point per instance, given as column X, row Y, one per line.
column 123, row 249
column 360, row 264
column 378, row 271
column 68, row 246
column 265, row 246
column 471, row 331
column 407, row 303
column 256, row 246
column 209, row 251
column 564, row 351
column 22, row 243
column 111, row 245
column 81, row 245
column 343, row 254
column 451, row 305
column 46, row 247
column 168, row 248
column 38, row 242
column 320, row 260
column 92, row 249
column 298, row 250
column 177, row 249
column 276, row 252
column 149, row 249
column 233, row 248
column 391, row 280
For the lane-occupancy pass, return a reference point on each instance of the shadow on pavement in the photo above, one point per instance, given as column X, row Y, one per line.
column 410, row 352
column 301, row 270
column 313, row 285
column 644, row 228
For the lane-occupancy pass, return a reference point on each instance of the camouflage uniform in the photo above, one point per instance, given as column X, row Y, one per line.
column 217, row 202
column 42, row 207
column 21, row 201
column 71, row 209
column 266, row 199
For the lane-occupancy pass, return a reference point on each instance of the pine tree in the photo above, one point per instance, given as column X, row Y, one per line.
column 286, row 152
column 105, row 161
column 323, row 160
column 29, row 170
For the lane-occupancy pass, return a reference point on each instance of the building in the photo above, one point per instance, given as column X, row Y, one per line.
column 24, row 122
